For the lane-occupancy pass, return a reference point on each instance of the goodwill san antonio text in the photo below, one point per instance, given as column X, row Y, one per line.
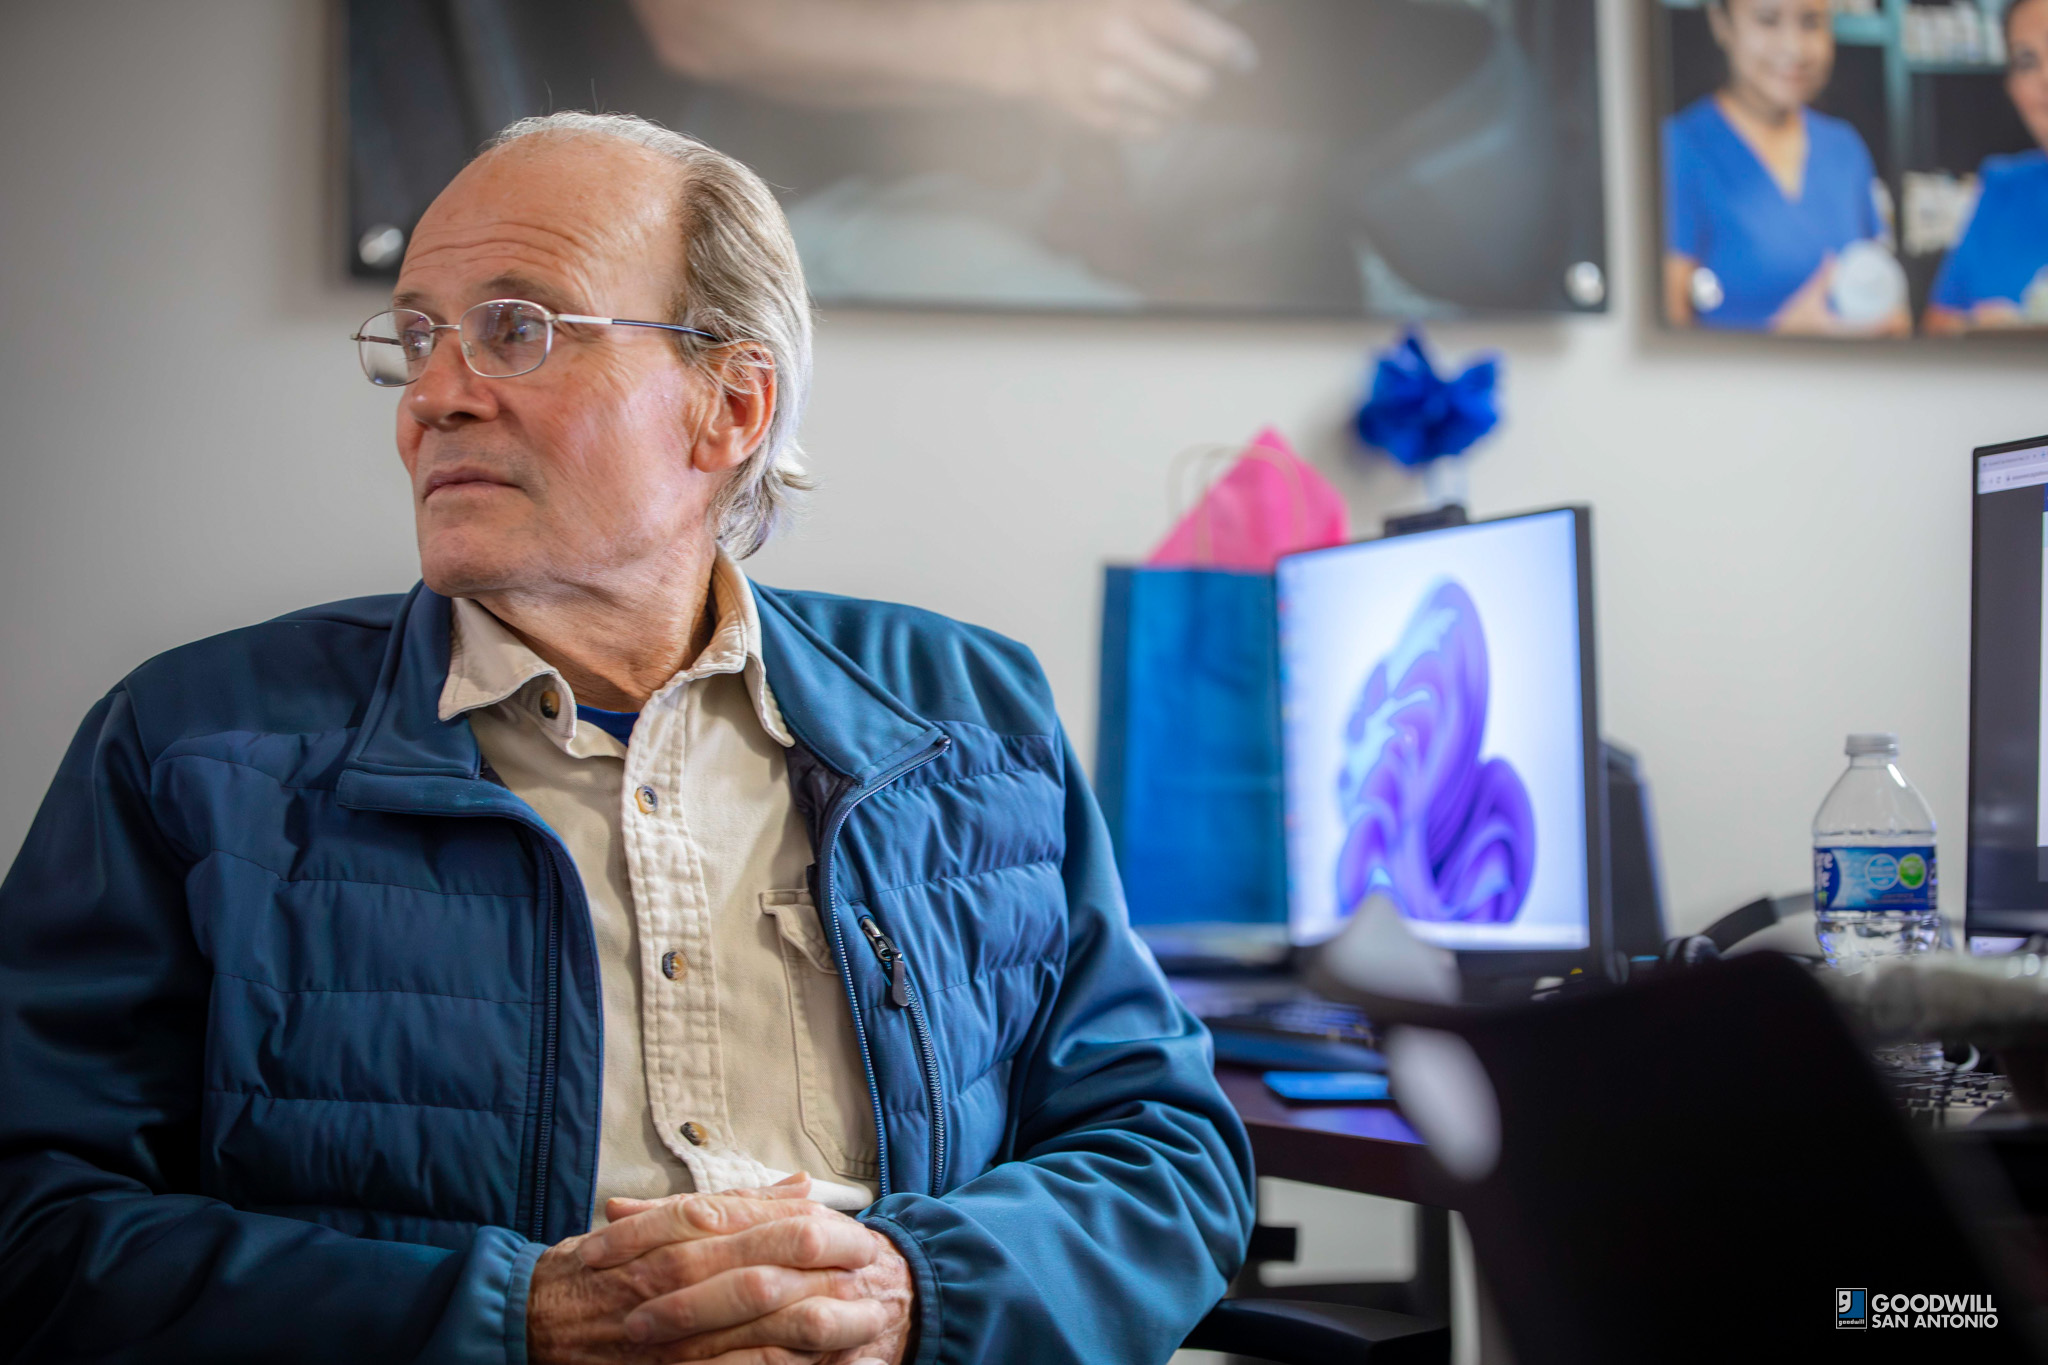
column 1860, row 1308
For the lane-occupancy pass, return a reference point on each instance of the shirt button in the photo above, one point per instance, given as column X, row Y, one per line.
column 550, row 704
column 694, row 1134
column 646, row 800
column 674, row 965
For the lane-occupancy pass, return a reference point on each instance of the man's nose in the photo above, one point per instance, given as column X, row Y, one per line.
column 448, row 393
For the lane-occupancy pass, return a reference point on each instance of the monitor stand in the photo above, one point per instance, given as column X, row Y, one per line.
column 1429, row 519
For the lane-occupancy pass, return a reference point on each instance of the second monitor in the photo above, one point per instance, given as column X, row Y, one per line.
column 1440, row 736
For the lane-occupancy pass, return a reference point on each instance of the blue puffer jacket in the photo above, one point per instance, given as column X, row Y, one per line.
column 300, row 1023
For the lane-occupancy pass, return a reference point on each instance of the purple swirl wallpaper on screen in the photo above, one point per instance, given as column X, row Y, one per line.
column 1447, row 835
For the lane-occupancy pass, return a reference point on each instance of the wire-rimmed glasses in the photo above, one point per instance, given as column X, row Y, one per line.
column 501, row 338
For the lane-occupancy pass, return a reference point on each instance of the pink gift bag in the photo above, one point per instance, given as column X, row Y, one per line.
column 1271, row 502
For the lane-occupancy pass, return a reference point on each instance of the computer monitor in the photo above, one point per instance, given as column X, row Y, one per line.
column 1441, row 742
column 2008, row 851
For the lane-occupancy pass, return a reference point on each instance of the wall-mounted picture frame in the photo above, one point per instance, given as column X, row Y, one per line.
column 1852, row 168
column 1410, row 158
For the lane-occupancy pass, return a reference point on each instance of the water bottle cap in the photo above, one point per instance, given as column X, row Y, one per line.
column 1872, row 744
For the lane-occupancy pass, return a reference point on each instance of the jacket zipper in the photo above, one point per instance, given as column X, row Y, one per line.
column 891, row 960
column 826, row 894
column 544, row 1139
column 900, row 996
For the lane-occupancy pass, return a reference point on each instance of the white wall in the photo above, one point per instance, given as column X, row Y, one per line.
column 185, row 445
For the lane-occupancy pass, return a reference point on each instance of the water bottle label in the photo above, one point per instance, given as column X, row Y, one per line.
column 1899, row 878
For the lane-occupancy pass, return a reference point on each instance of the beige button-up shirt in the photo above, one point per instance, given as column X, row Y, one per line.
column 729, row 1053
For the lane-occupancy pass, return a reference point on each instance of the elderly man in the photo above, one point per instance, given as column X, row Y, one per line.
column 592, row 956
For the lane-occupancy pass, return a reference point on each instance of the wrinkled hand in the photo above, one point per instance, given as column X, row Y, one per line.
column 1126, row 67
column 748, row 1277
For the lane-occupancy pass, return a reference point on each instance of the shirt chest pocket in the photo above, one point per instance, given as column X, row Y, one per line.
column 838, row 1114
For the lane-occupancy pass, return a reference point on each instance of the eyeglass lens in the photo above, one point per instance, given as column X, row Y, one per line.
column 394, row 346
column 500, row 339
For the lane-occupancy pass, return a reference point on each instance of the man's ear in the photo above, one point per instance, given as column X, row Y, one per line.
column 742, row 406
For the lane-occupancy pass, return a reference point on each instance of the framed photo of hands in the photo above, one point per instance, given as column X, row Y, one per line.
column 1405, row 158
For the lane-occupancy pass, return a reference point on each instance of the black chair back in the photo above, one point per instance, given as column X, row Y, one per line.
column 1701, row 1168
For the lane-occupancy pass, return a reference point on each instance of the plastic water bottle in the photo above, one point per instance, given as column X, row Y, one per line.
column 1873, row 861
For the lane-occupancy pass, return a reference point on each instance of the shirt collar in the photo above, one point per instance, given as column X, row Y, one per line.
column 488, row 664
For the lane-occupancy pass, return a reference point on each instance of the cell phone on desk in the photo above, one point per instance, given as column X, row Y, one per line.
column 1338, row 1087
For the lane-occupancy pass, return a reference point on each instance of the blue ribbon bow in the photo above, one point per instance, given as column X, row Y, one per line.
column 1416, row 416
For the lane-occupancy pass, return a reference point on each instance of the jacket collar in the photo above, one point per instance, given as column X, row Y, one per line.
column 832, row 707
column 402, row 732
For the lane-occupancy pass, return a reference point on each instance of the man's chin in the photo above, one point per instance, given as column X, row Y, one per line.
column 471, row 556
column 467, row 575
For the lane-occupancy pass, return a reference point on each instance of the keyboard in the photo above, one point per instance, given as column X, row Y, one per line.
column 1293, row 1032
column 1307, row 1018
column 1947, row 1099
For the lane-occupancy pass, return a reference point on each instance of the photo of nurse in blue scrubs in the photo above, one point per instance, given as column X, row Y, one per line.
column 1771, row 219
column 1997, row 275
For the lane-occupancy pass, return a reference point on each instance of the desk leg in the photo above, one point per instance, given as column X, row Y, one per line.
column 1430, row 1290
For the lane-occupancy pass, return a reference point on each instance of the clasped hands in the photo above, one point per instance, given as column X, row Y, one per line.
column 745, row 1277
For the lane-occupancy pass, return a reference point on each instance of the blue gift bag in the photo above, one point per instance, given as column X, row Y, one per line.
column 1188, row 753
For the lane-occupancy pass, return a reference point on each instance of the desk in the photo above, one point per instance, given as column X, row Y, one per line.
column 1364, row 1147
column 1368, row 1148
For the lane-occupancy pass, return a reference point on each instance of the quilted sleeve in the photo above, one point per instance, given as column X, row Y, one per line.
column 108, row 1252
column 1127, row 1209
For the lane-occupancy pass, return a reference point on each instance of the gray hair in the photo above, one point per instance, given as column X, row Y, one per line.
column 741, row 282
